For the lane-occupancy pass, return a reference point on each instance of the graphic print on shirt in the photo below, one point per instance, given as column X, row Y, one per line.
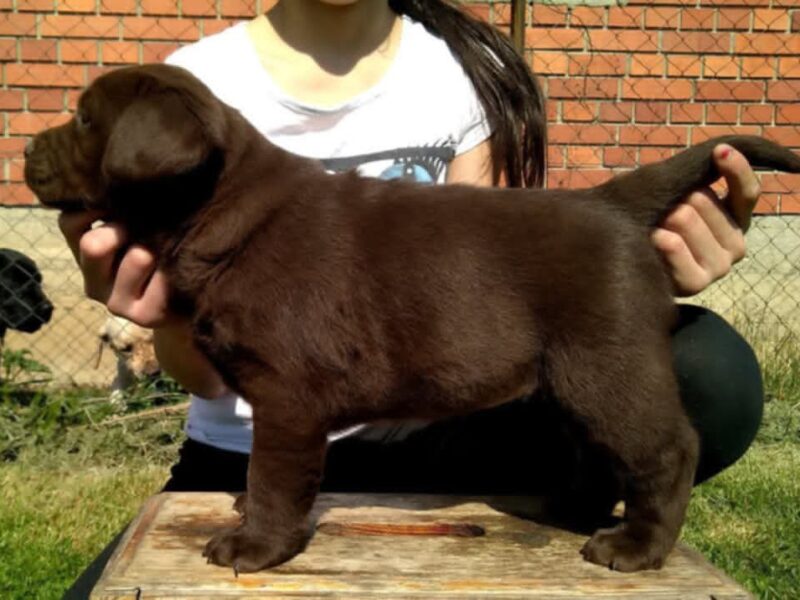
column 423, row 164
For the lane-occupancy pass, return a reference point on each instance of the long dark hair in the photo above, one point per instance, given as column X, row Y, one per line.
column 506, row 87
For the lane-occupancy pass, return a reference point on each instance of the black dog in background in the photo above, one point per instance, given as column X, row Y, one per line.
column 23, row 305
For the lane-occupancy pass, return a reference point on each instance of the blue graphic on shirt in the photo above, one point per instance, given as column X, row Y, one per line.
column 423, row 164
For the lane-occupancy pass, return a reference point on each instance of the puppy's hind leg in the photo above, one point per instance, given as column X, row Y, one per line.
column 630, row 404
column 283, row 478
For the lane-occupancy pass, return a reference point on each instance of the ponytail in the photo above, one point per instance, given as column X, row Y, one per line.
column 506, row 88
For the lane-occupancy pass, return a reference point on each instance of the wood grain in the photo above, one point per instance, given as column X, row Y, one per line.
column 386, row 546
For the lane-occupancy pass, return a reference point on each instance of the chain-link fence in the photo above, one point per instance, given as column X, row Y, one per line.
column 627, row 83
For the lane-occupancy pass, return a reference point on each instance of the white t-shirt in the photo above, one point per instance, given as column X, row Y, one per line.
column 422, row 113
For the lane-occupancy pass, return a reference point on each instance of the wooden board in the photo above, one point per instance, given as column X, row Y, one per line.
column 515, row 557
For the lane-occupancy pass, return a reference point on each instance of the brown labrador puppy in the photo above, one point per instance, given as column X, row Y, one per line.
column 330, row 300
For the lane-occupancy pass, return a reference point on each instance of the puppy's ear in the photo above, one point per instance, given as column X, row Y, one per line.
column 156, row 135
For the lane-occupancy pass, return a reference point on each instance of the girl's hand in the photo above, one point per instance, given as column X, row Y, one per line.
column 702, row 238
column 124, row 279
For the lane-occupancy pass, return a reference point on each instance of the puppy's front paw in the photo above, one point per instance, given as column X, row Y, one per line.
column 617, row 549
column 247, row 551
column 239, row 505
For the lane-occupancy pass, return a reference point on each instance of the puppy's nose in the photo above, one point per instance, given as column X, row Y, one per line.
column 29, row 147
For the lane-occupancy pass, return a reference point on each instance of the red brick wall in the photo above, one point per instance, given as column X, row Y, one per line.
column 626, row 85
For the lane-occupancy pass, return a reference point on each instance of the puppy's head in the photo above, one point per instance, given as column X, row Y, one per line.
column 23, row 304
column 133, row 347
column 136, row 126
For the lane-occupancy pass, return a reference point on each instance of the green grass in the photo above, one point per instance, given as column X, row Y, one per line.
column 65, row 494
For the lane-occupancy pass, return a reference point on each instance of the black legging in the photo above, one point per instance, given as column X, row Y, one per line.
column 520, row 447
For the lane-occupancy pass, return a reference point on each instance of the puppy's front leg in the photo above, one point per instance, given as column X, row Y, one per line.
column 282, row 481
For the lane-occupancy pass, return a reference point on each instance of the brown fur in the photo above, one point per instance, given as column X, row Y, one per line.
column 328, row 300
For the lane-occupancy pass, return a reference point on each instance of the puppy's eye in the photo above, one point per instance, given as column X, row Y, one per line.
column 82, row 120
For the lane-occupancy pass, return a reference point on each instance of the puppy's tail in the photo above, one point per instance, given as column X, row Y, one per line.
column 648, row 193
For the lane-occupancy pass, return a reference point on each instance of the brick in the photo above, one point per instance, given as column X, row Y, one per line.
column 480, row 11
column 722, row 113
column 578, row 111
column 76, row 6
column 44, row 75
column 118, row 7
column 783, row 91
column 720, row 67
column 590, row 87
column 796, row 21
column 787, row 114
column 72, row 99
column 652, row 154
column 695, row 42
column 790, row 204
column 79, row 51
column 587, row 16
column 81, row 26
column 554, row 39
column 120, row 53
column 758, row 67
column 237, row 8
column 17, row 24
column 770, row 19
column 616, row 112
column 555, row 156
column 11, row 100
column 701, row 134
column 684, row 65
column 16, row 170
column 657, row 89
column 620, row 156
column 157, row 51
column 647, row 65
column 627, row 17
column 737, row 19
column 162, row 7
column 749, row 91
column 500, row 14
column 94, row 72
column 542, row 14
column 697, row 18
column 681, row 112
column 199, row 8
column 758, row 113
column 16, row 194
column 46, row 100
column 35, row 5
column 788, row 135
column 768, row 204
column 550, row 63
column 650, row 112
column 595, row 64
column 655, row 135
column 582, row 134
column 155, row 28
column 576, row 178
column 30, row 123
column 767, row 43
column 38, row 50
column 662, row 17
column 551, row 110
column 628, row 40
column 584, row 156
column 8, row 50
column 780, row 183
column 788, row 67
column 12, row 145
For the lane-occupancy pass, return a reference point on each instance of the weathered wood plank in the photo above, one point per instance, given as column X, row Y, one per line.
column 382, row 546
